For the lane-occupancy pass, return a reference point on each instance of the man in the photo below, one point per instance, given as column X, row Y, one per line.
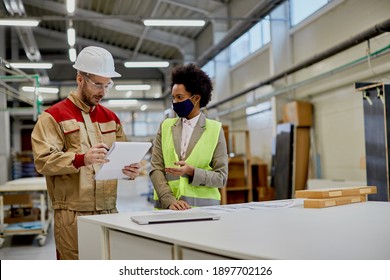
column 70, row 141
column 189, row 160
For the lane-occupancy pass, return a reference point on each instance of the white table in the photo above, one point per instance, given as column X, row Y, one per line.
column 27, row 185
column 355, row 231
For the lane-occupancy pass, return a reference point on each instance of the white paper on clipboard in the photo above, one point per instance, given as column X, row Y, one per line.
column 120, row 155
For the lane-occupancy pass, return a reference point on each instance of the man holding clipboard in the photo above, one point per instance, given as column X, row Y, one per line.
column 70, row 142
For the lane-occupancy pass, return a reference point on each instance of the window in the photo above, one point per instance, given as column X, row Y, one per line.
column 251, row 41
column 209, row 68
column 140, row 123
column 302, row 9
column 259, row 35
column 239, row 49
column 255, row 37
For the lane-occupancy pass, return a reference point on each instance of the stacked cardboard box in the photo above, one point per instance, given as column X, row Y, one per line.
column 321, row 198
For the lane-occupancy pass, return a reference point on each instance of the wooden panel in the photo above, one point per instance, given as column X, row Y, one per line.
column 226, row 134
column 239, row 184
column 237, row 196
column 336, row 192
column 301, row 157
column 329, row 202
column 18, row 199
column 261, row 190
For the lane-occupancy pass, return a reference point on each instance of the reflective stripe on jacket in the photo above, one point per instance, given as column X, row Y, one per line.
column 200, row 157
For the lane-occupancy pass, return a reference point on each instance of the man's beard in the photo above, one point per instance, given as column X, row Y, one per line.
column 85, row 97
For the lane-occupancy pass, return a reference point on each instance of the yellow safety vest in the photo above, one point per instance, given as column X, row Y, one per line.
column 200, row 157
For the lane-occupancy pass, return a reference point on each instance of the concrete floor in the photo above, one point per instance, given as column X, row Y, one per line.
column 132, row 196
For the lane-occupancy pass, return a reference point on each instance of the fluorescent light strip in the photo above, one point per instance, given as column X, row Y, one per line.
column 146, row 64
column 132, row 87
column 173, row 22
column 71, row 32
column 72, row 54
column 125, row 102
column 19, row 22
column 41, row 89
column 70, row 6
column 31, row 65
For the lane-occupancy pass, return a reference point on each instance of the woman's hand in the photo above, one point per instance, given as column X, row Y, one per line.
column 179, row 205
column 182, row 169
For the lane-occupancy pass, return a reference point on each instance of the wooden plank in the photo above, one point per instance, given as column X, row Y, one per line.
column 301, row 157
column 335, row 201
column 24, row 199
column 365, row 86
column 336, row 192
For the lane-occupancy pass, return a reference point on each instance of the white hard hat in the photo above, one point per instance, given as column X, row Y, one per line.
column 96, row 61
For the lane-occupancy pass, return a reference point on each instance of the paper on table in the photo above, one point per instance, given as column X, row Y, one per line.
column 120, row 155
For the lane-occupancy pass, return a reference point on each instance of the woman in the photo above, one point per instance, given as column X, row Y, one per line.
column 189, row 160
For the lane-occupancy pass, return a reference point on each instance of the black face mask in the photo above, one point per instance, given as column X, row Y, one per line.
column 184, row 108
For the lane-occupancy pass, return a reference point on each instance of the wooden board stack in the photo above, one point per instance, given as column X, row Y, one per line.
column 321, row 198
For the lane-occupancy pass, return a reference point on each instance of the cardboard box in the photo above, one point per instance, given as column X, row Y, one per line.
column 299, row 113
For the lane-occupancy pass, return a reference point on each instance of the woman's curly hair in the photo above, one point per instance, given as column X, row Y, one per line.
column 195, row 80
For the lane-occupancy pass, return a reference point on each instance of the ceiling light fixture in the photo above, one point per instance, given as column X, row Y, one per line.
column 70, row 6
column 31, row 65
column 174, row 22
column 71, row 33
column 132, row 87
column 41, row 89
column 72, row 54
column 122, row 102
column 146, row 64
column 19, row 22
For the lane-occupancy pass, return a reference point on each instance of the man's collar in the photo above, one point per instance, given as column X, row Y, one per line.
column 79, row 103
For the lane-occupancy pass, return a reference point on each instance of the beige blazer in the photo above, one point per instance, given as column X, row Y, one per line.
column 216, row 177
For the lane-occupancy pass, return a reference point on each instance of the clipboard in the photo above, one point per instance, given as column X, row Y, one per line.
column 120, row 155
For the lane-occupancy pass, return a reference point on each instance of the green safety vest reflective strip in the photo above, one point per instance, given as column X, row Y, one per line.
column 200, row 157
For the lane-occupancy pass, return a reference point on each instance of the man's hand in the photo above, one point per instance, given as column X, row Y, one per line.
column 183, row 169
column 96, row 154
column 132, row 170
